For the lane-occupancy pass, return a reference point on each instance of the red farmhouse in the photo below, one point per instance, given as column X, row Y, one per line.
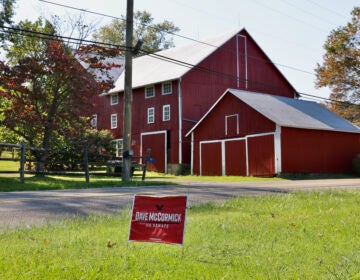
column 247, row 133
column 173, row 89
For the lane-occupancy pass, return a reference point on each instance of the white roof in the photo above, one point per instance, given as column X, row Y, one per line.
column 289, row 112
column 113, row 73
column 155, row 68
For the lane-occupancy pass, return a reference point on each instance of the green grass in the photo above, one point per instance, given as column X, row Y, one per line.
column 9, row 165
column 12, row 183
column 309, row 235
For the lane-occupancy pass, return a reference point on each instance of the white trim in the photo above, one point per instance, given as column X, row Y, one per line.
column 94, row 121
column 111, row 99
column 277, row 150
column 260, row 134
column 150, row 86
column 162, row 88
column 237, row 64
column 148, row 115
column 165, row 146
column 119, row 154
column 223, row 159
column 180, row 120
column 163, row 113
column 115, row 120
column 246, row 60
column 247, row 156
column 192, row 154
column 237, row 123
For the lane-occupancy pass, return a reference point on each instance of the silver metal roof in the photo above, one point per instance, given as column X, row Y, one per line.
column 151, row 69
column 113, row 73
column 289, row 112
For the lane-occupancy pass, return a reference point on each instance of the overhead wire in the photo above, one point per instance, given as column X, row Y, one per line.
column 47, row 36
column 327, row 8
column 183, row 37
column 42, row 35
column 306, row 11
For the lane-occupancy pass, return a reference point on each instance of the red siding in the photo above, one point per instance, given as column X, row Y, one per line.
column 156, row 142
column 200, row 87
column 211, row 159
column 314, row 151
column 235, row 158
column 204, row 84
column 261, row 155
column 250, row 121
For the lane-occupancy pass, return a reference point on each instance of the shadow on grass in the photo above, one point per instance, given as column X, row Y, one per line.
column 39, row 183
column 316, row 176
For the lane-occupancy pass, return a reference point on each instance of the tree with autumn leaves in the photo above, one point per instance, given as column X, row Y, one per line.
column 45, row 92
column 340, row 70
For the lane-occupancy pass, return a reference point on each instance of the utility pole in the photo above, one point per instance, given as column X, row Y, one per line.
column 127, row 154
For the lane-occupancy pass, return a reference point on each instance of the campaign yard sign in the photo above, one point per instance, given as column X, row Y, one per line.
column 158, row 219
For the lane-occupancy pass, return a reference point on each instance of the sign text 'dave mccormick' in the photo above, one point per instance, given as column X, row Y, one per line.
column 158, row 219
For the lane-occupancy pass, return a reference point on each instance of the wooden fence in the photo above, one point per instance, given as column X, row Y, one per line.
column 111, row 167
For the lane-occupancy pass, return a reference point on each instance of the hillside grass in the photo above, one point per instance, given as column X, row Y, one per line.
column 301, row 235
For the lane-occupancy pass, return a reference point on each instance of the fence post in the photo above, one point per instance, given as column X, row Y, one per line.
column 148, row 151
column 86, row 162
column 22, row 161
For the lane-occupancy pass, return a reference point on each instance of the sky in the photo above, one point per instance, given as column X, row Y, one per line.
column 291, row 32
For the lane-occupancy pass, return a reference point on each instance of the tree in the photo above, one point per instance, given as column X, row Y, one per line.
column 155, row 37
column 6, row 14
column 340, row 70
column 6, row 11
column 45, row 91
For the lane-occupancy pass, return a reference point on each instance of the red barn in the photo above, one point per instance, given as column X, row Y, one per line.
column 174, row 88
column 246, row 133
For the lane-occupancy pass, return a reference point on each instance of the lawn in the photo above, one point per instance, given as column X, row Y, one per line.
column 300, row 235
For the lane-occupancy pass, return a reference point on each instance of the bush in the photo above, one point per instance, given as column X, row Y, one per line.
column 356, row 164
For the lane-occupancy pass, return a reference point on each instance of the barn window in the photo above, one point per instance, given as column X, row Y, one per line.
column 151, row 115
column 113, row 121
column 149, row 92
column 114, row 99
column 166, row 113
column 118, row 147
column 232, row 125
column 166, row 88
column 93, row 121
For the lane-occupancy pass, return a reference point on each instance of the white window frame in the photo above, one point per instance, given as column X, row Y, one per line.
column 113, row 121
column 146, row 91
column 119, row 148
column 151, row 115
column 114, row 99
column 93, row 121
column 163, row 86
column 166, row 113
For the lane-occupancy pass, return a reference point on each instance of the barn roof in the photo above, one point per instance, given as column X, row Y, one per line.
column 290, row 112
column 114, row 73
column 172, row 63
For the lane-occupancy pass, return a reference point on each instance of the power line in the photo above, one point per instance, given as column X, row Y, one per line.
column 82, row 10
column 328, row 9
column 38, row 34
column 47, row 36
column 183, row 37
column 291, row 17
column 306, row 11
